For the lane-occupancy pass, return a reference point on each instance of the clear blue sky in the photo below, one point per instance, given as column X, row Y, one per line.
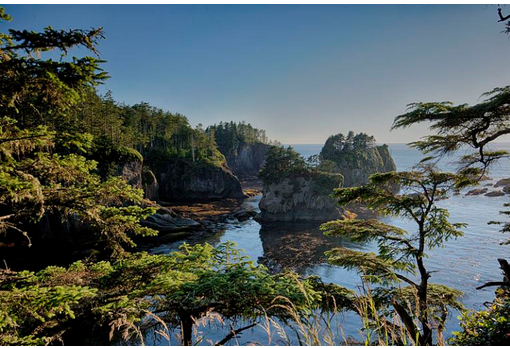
column 300, row 72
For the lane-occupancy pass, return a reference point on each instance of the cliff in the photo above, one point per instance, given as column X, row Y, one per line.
column 304, row 197
column 183, row 180
column 131, row 172
column 249, row 159
column 357, row 165
column 296, row 191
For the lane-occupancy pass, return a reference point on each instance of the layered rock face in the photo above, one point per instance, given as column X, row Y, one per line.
column 305, row 198
column 131, row 172
column 356, row 166
column 249, row 159
column 185, row 181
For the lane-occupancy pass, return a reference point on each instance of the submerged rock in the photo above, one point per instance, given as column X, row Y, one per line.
column 476, row 192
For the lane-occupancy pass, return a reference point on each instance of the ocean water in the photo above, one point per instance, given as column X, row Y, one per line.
column 464, row 264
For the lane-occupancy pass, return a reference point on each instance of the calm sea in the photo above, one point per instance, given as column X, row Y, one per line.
column 464, row 264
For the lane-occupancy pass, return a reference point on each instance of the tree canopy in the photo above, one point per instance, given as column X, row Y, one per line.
column 178, row 290
column 43, row 158
column 402, row 253
column 463, row 125
column 229, row 136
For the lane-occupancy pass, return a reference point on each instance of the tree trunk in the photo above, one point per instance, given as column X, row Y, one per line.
column 186, row 330
column 426, row 337
column 506, row 269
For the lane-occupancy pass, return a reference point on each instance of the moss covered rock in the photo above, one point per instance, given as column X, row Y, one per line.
column 357, row 161
column 304, row 197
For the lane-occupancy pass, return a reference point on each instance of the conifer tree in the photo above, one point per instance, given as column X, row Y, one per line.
column 402, row 254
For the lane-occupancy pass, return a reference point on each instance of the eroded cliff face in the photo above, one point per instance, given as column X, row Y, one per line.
column 186, row 181
column 150, row 184
column 131, row 172
column 249, row 159
column 357, row 166
column 305, row 198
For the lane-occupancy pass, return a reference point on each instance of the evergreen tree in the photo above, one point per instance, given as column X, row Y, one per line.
column 475, row 127
column 42, row 165
column 401, row 252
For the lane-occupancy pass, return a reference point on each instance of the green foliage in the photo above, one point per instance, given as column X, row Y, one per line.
column 341, row 151
column 489, row 327
column 324, row 183
column 35, row 181
column 35, row 91
column 401, row 252
column 285, row 163
column 280, row 163
column 230, row 136
column 462, row 125
column 158, row 135
column 477, row 127
column 39, row 308
column 340, row 144
column 110, row 156
column 355, row 157
column 30, row 306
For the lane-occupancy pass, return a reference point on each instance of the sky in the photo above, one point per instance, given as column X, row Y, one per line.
column 300, row 72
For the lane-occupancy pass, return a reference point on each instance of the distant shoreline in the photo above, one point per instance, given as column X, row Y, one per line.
column 321, row 144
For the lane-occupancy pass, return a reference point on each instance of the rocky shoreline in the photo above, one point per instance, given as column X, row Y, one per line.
column 184, row 220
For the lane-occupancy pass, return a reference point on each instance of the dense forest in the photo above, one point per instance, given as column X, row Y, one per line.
column 60, row 142
column 230, row 136
column 150, row 130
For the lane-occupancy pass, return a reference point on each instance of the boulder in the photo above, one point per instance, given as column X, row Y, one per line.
column 244, row 214
column 495, row 194
column 476, row 192
column 166, row 223
column 502, row 182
